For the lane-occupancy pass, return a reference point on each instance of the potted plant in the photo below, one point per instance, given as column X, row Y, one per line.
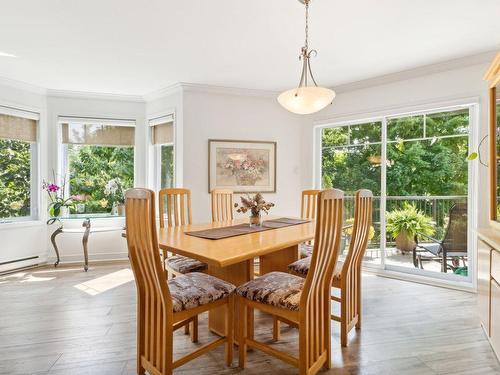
column 114, row 191
column 256, row 205
column 59, row 204
column 404, row 224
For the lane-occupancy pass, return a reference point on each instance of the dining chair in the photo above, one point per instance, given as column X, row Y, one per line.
column 302, row 303
column 222, row 205
column 175, row 210
column 347, row 274
column 308, row 210
column 165, row 305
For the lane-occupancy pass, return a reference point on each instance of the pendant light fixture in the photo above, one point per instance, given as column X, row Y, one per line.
column 306, row 99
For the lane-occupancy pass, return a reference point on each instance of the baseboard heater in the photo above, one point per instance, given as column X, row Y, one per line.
column 18, row 260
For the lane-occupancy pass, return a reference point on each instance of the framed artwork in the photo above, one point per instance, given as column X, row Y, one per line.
column 242, row 166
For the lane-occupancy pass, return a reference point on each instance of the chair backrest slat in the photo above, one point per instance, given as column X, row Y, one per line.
column 455, row 238
column 178, row 207
column 351, row 270
column 315, row 299
column 222, row 205
column 154, row 303
column 309, row 204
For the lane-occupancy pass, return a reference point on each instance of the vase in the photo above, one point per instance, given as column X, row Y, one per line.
column 64, row 211
column 245, row 180
column 120, row 209
column 256, row 220
column 404, row 243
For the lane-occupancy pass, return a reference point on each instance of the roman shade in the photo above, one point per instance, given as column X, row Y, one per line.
column 163, row 133
column 97, row 134
column 18, row 128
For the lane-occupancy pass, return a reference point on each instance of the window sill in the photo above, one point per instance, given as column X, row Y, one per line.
column 90, row 216
column 20, row 224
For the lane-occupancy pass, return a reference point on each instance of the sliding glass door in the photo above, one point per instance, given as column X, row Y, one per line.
column 416, row 166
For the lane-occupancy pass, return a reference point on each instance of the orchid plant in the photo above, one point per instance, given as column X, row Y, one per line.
column 57, row 196
column 114, row 191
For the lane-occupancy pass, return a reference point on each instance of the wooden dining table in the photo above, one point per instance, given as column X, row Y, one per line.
column 232, row 259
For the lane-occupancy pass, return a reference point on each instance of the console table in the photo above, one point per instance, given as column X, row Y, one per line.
column 86, row 230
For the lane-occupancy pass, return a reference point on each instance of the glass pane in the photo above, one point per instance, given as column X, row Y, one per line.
column 411, row 127
column 426, row 189
column 335, row 136
column 352, row 167
column 167, row 166
column 447, row 123
column 15, row 178
column 91, row 168
column 365, row 133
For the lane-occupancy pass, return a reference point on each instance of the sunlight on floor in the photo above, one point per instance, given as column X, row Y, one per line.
column 106, row 282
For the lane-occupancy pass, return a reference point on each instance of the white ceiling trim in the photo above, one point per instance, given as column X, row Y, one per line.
column 481, row 58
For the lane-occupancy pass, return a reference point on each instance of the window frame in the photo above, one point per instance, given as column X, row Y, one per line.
column 152, row 121
column 63, row 162
column 35, row 185
column 472, row 104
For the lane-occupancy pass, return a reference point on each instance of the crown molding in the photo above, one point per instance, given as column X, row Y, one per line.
column 462, row 62
column 161, row 93
column 210, row 89
column 93, row 95
column 12, row 83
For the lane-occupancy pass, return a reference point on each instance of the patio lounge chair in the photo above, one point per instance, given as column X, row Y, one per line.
column 452, row 248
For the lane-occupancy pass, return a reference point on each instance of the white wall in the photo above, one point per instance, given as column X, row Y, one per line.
column 212, row 115
column 420, row 92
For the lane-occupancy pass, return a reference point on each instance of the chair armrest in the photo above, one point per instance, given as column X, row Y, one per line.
column 426, row 236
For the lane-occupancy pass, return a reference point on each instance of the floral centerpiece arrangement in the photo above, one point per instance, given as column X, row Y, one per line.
column 57, row 196
column 116, row 196
column 246, row 170
column 256, row 205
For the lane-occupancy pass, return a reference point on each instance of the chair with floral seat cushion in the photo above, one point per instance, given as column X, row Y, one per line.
column 174, row 207
column 166, row 305
column 347, row 274
column 303, row 303
column 175, row 210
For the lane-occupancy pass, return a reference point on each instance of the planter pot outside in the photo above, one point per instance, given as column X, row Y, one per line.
column 405, row 244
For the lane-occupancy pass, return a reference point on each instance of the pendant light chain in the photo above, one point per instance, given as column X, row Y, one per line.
column 307, row 25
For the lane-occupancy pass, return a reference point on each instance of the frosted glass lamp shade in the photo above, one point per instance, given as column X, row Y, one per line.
column 306, row 100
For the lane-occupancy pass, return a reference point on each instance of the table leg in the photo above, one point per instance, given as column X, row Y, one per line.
column 85, row 241
column 54, row 244
column 278, row 260
column 236, row 274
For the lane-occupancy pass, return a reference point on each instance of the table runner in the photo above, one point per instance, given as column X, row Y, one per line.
column 240, row 229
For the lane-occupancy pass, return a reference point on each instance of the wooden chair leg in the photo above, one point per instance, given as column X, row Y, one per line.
column 194, row 329
column 343, row 332
column 186, row 329
column 229, row 331
column 242, row 336
column 276, row 328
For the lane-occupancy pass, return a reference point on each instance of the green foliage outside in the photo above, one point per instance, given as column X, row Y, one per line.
column 421, row 161
column 92, row 167
column 167, row 166
column 408, row 221
column 15, row 172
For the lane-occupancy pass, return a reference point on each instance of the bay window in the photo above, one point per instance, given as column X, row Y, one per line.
column 97, row 155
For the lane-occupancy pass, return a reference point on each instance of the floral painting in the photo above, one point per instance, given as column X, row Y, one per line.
column 243, row 166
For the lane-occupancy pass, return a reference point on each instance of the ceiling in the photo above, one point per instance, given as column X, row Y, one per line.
column 136, row 47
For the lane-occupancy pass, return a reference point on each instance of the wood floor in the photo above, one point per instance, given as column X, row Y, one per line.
column 66, row 321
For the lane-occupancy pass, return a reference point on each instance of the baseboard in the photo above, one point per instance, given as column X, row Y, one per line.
column 78, row 258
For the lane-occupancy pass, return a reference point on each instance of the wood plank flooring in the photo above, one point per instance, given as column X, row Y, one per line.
column 66, row 321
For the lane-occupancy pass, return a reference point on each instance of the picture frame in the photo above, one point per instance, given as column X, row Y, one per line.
column 242, row 166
